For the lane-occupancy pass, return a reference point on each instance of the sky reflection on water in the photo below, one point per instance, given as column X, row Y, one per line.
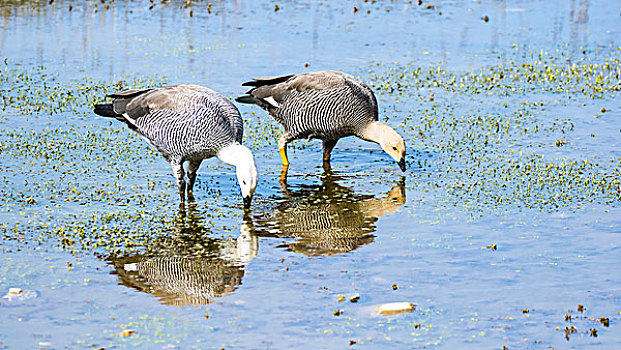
column 90, row 220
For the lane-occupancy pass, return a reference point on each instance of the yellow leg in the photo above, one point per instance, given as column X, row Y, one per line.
column 283, row 175
column 283, row 156
column 282, row 148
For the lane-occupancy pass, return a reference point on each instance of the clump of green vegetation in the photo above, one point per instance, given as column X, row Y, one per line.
column 536, row 72
column 82, row 184
column 487, row 140
column 36, row 91
column 492, row 142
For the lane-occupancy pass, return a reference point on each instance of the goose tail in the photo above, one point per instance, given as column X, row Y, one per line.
column 106, row 110
column 248, row 99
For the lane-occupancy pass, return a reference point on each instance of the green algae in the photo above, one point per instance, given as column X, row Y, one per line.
column 481, row 162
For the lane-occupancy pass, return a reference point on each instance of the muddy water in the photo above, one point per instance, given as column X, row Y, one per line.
column 504, row 231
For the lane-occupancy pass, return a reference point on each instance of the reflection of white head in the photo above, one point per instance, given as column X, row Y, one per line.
column 241, row 250
column 247, row 244
column 241, row 157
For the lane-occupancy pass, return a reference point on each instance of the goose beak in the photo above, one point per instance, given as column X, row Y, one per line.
column 247, row 201
column 401, row 163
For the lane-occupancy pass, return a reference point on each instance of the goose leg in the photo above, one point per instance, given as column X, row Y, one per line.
column 283, row 175
column 179, row 174
column 192, row 169
column 282, row 148
column 328, row 145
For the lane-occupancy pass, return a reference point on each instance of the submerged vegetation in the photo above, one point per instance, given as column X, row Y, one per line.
column 527, row 133
column 594, row 74
column 510, row 147
column 503, row 233
column 32, row 91
column 512, row 152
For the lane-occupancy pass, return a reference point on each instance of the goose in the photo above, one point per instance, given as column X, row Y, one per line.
column 187, row 123
column 326, row 105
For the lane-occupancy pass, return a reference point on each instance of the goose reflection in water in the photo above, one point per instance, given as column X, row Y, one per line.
column 188, row 267
column 328, row 219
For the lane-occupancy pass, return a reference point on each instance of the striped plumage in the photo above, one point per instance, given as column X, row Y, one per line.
column 177, row 280
column 186, row 123
column 189, row 265
column 326, row 105
column 328, row 219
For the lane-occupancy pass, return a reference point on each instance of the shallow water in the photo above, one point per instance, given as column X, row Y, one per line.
column 506, row 220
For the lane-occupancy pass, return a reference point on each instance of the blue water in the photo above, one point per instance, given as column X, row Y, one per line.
column 91, row 224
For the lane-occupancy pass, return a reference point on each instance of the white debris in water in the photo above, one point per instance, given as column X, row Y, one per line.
column 15, row 291
column 18, row 294
column 395, row 308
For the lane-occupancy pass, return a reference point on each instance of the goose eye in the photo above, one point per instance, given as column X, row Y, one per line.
column 244, row 182
column 395, row 148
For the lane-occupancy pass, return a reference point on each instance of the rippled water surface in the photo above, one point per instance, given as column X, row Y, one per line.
column 505, row 231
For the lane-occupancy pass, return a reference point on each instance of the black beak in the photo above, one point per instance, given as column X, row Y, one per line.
column 401, row 163
column 247, row 201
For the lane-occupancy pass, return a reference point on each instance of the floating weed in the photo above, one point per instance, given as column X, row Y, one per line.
column 497, row 153
column 493, row 155
column 36, row 91
column 51, row 185
column 536, row 72
column 581, row 324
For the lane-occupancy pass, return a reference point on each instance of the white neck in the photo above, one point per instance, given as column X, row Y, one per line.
column 374, row 132
column 245, row 169
column 234, row 154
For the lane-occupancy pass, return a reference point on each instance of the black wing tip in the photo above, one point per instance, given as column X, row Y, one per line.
column 257, row 82
column 115, row 95
column 251, row 83
column 129, row 93
column 247, row 99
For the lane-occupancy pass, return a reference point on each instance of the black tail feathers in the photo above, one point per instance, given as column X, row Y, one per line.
column 246, row 99
column 106, row 110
